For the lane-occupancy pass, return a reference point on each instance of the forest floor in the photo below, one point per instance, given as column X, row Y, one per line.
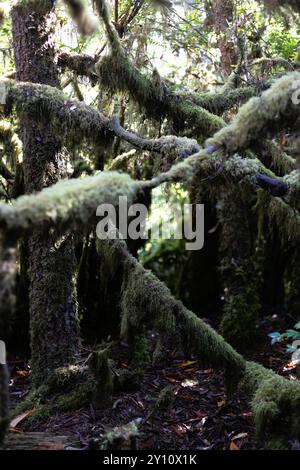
column 199, row 418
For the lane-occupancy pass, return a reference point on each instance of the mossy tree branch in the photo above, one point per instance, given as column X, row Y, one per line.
column 76, row 120
column 117, row 73
column 147, row 301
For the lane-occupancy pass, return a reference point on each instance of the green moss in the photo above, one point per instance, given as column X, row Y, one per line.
column 164, row 401
column 146, row 301
column 117, row 73
column 218, row 103
column 64, row 378
column 74, row 120
column 104, row 379
column 121, row 437
column 272, row 109
column 79, row 398
column 139, row 350
column 238, row 267
column 69, row 203
column 8, row 273
column 40, row 6
column 276, row 405
column 286, row 218
column 12, row 143
column 293, row 196
column 43, row 404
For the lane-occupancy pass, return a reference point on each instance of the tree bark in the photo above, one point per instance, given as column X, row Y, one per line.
column 222, row 12
column 53, row 307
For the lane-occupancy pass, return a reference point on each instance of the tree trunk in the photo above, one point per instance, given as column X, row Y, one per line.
column 239, row 269
column 53, row 308
column 222, row 16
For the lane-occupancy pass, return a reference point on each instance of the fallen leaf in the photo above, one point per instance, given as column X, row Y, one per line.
column 17, row 420
column 233, row 446
column 185, row 363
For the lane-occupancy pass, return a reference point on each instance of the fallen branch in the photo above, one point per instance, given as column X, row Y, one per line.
column 147, row 301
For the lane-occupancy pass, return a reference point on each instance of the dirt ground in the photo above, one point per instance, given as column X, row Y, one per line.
column 198, row 418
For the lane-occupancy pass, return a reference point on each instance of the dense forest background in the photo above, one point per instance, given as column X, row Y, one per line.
column 142, row 343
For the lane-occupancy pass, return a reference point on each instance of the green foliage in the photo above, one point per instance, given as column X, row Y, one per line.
column 289, row 336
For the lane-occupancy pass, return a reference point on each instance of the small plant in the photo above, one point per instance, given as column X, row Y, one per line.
column 290, row 336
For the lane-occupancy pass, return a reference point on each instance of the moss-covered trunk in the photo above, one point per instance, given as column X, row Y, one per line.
column 7, row 303
column 53, row 309
column 238, row 268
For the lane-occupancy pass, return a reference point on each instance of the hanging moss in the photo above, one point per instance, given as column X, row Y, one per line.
column 12, row 143
column 293, row 196
column 219, row 102
column 270, row 112
column 286, row 219
column 73, row 119
column 280, row 160
column 117, row 73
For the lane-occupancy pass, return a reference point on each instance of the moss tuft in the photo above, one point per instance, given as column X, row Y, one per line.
column 276, row 405
column 100, row 366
